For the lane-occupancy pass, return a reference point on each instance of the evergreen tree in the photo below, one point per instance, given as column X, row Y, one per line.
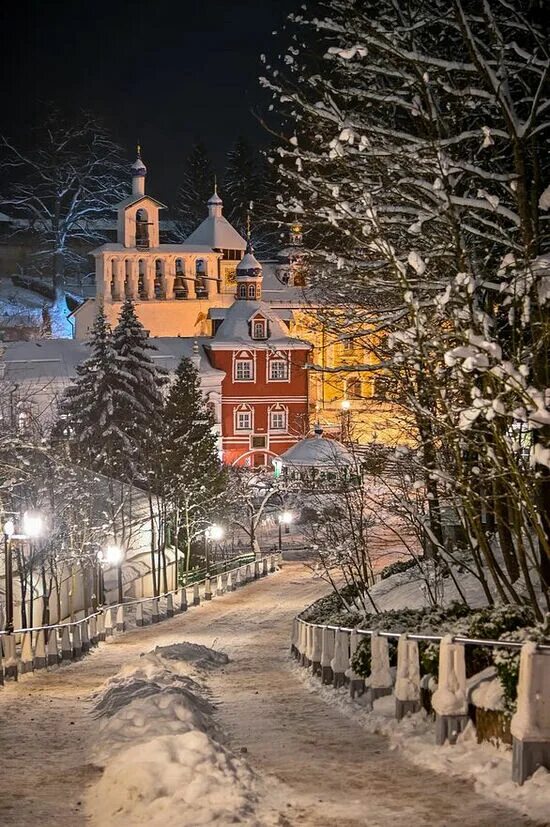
column 242, row 182
column 139, row 398
column 196, row 188
column 192, row 470
column 86, row 411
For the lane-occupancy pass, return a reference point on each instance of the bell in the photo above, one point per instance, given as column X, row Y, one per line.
column 180, row 287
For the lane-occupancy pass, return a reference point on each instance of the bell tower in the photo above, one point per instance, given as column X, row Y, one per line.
column 249, row 276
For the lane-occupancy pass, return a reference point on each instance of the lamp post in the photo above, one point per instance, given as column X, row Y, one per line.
column 8, row 530
column 114, row 556
column 285, row 519
column 345, row 421
column 212, row 532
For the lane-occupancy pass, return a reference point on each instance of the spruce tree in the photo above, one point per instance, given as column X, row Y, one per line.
column 139, row 398
column 86, row 410
column 196, row 188
column 242, row 183
column 195, row 479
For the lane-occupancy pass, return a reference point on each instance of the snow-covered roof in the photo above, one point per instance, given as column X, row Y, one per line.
column 215, row 199
column 234, row 331
column 133, row 199
column 275, row 291
column 216, row 232
column 248, row 266
column 114, row 247
column 58, row 358
column 317, row 452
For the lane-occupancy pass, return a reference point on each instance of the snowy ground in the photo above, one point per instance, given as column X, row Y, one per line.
column 288, row 757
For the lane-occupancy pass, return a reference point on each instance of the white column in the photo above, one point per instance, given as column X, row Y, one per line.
column 168, row 277
column 149, row 279
column 133, row 276
column 118, row 267
column 450, row 701
column 189, row 268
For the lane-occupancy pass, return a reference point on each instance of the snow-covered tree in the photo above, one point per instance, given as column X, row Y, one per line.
column 139, row 395
column 416, row 153
column 62, row 188
column 197, row 185
column 193, row 476
column 242, row 182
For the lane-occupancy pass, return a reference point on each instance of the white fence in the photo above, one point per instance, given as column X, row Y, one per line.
column 26, row 650
column 328, row 652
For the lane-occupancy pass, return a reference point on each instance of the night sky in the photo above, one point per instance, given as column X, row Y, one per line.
column 166, row 72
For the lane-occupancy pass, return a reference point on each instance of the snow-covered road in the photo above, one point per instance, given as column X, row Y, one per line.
column 321, row 768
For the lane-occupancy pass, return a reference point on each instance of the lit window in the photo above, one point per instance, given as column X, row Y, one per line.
column 251, row 291
column 277, row 421
column 258, row 329
column 244, row 370
column 278, row 369
column 243, row 421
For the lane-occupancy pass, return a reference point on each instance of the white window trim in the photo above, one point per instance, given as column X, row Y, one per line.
column 244, row 356
column 243, row 409
column 278, row 358
column 278, row 411
column 263, row 323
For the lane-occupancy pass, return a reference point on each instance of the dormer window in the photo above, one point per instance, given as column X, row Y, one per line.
column 259, row 329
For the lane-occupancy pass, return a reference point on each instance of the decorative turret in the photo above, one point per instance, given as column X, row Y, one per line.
column 139, row 171
column 249, row 274
column 215, row 203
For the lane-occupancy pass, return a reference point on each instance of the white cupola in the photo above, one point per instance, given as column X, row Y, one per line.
column 249, row 276
column 139, row 171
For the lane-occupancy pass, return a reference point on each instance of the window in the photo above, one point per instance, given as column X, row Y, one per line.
column 244, row 370
column 278, row 369
column 277, row 421
column 242, row 291
column 243, row 421
column 251, row 291
column 258, row 329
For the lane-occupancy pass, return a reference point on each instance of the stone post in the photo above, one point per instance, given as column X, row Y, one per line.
column 52, row 654
column 93, row 631
column 450, row 700
column 26, row 659
column 530, row 725
column 84, row 637
column 327, row 653
column 101, row 626
column 264, row 567
column 196, row 595
column 219, row 585
column 340, row 662
column 356, row 682
column 10, row 655
column 256, row 569
column 271, row 563
column 40, row 660
column 407, row 682
column 155, row 614
column 139, row 615
column 380, row 679
column 109, row 626
column 316, row 650
column 207, row 588
column 169, row 605
column 77, row 642
column 229, row 582
column 183, row 599
column 120, row 622
column 66, row 646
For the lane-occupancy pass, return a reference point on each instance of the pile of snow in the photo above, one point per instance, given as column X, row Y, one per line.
column 489, row 768
column 407, row 590
column 161, row 751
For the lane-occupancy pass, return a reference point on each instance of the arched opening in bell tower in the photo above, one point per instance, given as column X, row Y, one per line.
column 142, row 229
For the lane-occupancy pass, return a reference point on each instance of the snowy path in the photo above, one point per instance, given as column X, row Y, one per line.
column 329, row 771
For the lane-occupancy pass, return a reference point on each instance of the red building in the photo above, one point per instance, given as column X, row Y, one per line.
column 265, row 389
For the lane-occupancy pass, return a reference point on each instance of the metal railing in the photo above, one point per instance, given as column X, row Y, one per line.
column 27, row 649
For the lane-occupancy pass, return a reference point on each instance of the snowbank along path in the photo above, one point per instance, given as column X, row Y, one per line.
column 320, row 767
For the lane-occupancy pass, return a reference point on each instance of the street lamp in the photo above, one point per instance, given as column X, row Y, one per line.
column 113, row 556
column 33, row 524
column 285, row 519
column 345, row 424
column 8, row 530
column 212, row 532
